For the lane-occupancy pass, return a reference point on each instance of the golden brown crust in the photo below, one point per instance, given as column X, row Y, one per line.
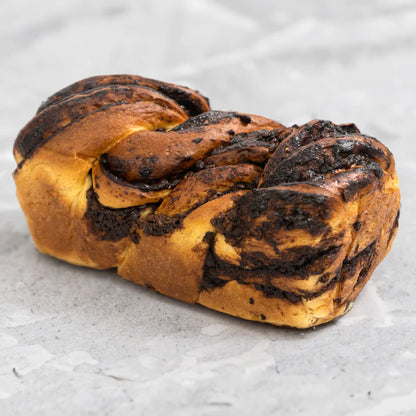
column 233, row 211
column 75, row 107
column 191, row 101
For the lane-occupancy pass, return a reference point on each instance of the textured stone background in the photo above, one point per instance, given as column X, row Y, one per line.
column 78, row 341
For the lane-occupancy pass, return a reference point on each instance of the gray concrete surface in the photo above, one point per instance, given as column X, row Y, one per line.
column 75, row 341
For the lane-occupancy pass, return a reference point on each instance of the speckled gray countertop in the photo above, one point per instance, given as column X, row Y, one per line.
column 75, row 341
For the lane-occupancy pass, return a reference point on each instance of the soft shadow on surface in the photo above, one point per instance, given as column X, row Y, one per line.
column 164, row 304
column 56, row 286
column 52, row 287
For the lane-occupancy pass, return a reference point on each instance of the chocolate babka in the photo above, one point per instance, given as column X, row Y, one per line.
column 233, row 211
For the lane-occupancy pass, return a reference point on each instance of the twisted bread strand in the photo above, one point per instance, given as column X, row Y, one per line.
column 233, row 211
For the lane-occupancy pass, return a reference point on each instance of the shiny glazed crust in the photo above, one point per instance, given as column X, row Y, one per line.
column 237, row 212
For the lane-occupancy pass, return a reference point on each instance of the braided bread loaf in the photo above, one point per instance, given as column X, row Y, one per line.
column 233, row 211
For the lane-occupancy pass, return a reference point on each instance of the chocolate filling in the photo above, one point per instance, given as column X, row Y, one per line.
column 259, row 138
column 113, row 168
column 284, row 209
column 198, row 122
column 115, row 224
column 364, row 260
column 316, row 162
column 355, row 186
column 191, row 106
column 189, row 100
column 108, row 223
column 304, row 261
column 298, row 262
column 394, row 227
